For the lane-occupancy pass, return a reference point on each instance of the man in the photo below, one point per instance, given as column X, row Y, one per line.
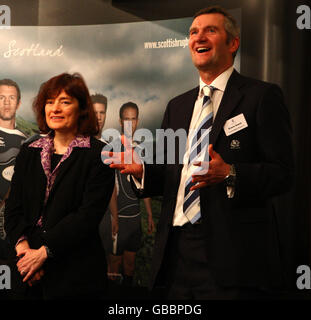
column 100, row 107
column 228, row 248
column 128, row 241
column 10, row 141
column 100, row 103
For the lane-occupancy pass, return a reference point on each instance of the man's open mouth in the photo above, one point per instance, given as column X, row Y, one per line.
column 202, row 49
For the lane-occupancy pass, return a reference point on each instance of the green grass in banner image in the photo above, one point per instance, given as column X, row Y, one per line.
column 27, row 127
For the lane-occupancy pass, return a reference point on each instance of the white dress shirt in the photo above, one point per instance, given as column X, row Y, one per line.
column 220, row 84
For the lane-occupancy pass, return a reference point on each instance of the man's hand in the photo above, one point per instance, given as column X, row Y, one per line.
column 216, row 173
column 127, row 162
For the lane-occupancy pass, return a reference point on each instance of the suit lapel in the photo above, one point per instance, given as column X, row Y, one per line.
column 231, row 98
column 40, row 185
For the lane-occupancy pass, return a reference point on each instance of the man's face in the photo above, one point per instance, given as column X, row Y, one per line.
column 8, row 102
column 208, row 43
column 129, row 119
column 100, row 111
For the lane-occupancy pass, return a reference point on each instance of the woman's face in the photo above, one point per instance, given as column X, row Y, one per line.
column 62, row 113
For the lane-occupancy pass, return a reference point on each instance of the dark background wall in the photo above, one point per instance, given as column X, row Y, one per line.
column 273, row 49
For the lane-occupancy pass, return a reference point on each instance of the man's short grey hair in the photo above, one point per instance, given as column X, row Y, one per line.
column 231, row 25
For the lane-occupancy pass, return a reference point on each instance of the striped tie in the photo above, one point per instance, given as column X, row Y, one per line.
column 199, row 141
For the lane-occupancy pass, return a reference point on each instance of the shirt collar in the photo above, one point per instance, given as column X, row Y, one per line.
column 13, row 131
column 79, row 141
column 220, row 82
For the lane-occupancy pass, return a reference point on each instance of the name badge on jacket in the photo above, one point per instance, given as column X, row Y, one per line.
column 235, row 124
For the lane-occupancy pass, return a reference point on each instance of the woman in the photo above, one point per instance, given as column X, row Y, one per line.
column 59, row 192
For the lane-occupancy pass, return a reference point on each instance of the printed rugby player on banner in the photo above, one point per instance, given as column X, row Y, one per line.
column 11, row 139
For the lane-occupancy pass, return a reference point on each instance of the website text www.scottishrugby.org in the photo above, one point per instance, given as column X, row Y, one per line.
column 168, row 43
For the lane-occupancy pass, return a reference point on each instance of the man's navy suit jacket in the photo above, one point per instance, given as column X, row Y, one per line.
column 242, row 238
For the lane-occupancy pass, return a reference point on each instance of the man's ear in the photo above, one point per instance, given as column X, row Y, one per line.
column 234, row 44
column 18, row 105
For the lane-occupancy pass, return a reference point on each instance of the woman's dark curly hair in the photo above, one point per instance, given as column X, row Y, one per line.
column 74, row 86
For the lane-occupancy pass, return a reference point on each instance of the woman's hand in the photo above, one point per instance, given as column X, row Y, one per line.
column 31, row 261
column 21, row 246
column 37, row 277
